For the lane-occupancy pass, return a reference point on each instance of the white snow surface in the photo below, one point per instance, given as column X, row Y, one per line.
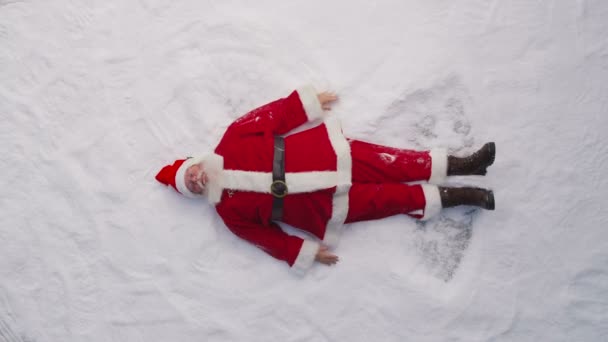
column 97, row 96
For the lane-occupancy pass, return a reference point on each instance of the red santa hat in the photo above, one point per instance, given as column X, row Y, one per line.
column 174, row 175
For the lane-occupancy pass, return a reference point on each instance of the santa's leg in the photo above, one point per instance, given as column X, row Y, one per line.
column 376, row 163
column 368, row 201
column 379, row 164
column 375, row 201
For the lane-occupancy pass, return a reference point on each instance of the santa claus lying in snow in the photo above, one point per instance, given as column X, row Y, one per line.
column 317, row 179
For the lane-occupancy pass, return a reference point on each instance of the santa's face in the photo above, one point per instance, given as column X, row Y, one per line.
column 195, row 178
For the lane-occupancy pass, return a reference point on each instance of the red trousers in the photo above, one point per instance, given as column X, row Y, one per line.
column 378, row 174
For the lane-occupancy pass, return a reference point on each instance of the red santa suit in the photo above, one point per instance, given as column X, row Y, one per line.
column 331, row 180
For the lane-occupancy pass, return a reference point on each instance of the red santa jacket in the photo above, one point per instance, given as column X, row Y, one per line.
column 318, row 175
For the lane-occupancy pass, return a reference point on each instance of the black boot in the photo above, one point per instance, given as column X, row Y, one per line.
column 451, row 197
column 475, row 164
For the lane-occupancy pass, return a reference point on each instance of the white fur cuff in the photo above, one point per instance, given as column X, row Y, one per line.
column 439, row 165
column 310, row 102
column 433, row 201
column 306, row 257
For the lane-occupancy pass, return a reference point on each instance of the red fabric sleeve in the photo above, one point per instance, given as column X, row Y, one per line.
column 283, row 115
column 271, row 239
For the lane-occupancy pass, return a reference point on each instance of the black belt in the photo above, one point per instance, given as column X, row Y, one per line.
column 278, row 188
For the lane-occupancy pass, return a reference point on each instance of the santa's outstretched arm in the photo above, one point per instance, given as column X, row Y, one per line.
column 281, row 116
column 297, row 252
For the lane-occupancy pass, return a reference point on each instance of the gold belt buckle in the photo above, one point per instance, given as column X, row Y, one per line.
column 282, row 187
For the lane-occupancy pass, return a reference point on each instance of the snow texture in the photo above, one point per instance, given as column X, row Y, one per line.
column 96, row 96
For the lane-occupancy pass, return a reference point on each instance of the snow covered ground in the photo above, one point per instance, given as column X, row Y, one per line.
column 96, row 96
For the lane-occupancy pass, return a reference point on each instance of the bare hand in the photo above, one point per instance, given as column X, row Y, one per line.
column 326, row 98
column 325, row 257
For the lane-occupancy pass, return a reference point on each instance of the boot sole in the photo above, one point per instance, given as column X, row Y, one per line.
column 490, row 204
column 492, row 150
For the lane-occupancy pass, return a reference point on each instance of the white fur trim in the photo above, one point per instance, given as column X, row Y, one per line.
column 439, row 165
column 246, row 180
column 342, row 150
column 335, row 225
column 344, row 172
column 179, row 177
column 433, row 201
column 310, row 102
column 306, row 257
column 416, row 212
column 297, row 182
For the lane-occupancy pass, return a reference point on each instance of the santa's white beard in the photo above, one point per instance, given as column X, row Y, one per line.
column 212, row 174
column 213, row 166
column 199, row 178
